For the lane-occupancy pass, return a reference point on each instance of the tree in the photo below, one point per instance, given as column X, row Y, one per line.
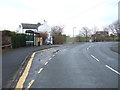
column 94, row 31
column 6, row 37
column 86, row 32
column 106, row 33
column 116, row 26
column 44, row 35
column 78, row 38
column 56, row 33
column 57, row 30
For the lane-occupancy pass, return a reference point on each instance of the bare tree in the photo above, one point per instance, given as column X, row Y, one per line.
column 114, row 28
column 116, row 25
column 94, row 31
column 106, row 33
column 86, row 32
column 44, row 35
column 56, row 32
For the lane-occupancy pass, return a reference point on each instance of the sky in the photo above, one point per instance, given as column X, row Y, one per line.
column 67, row 13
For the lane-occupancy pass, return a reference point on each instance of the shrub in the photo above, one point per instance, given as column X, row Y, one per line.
column 18, row 40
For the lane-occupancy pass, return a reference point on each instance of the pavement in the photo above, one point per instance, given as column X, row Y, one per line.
column 115, row 48
column 88, row 65
column 12, row 60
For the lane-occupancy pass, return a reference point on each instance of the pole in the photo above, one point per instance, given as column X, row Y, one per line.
column 73, row 34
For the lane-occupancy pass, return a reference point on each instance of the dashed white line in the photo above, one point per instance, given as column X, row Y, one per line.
column 107, row 66
column 46, row 63
column 112, row 69
column 40, row 70
column 50, row 58
column 56, row 53
column 60, row 50
column 87, row 48
column 53, row 55
column 95, row 58
column 29, row 85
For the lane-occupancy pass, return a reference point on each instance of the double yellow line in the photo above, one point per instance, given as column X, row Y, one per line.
column 26, row 71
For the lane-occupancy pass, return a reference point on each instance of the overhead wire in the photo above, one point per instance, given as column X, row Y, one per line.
column 89, row 9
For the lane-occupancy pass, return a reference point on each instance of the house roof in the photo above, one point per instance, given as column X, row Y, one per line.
column 102, row 32
column 30, row 26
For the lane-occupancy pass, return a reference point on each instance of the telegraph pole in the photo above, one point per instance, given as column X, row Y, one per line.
column 73, row 34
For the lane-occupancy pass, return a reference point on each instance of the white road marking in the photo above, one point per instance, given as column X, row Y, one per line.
column 112, row 69
column 25, row 73
column 95, row 58
column 46, row 63
column 90, row 47
column 53, row 55
column 87, row 48
column 29, row 85
column 40, row 70
column 59, row 50
column 50, row 58
column 56, row 53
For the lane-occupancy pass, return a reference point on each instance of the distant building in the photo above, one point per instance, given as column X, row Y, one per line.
column 33, row 33
column 27, row 26
column 100, row 36
column 46, row 28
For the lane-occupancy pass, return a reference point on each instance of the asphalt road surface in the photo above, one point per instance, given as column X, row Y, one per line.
column 12, row 60
column 88, row 65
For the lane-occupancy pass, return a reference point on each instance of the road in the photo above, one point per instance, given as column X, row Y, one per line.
column 12, row 60
column 88, row 65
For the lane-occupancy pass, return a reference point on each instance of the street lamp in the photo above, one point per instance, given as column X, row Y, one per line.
column 73, row 34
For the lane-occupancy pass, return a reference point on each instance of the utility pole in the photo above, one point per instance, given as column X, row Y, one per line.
column 73, row 34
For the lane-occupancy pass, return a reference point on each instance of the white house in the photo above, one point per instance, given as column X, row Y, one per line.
column 46, row 28
column 34, row 30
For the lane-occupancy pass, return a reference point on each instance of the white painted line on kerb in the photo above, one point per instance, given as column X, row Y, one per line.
column 112, row 69
column 95, row 58
column 40, row 70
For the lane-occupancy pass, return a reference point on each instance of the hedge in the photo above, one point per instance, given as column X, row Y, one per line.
column 18, row 40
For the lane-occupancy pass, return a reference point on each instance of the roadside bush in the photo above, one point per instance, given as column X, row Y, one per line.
column 18, row 40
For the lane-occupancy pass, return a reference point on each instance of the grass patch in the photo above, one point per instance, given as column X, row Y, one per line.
column 118, row 45
column 7, row 50
column 71, row 39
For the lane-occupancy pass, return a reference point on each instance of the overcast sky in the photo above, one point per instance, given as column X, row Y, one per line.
column 68, row 13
